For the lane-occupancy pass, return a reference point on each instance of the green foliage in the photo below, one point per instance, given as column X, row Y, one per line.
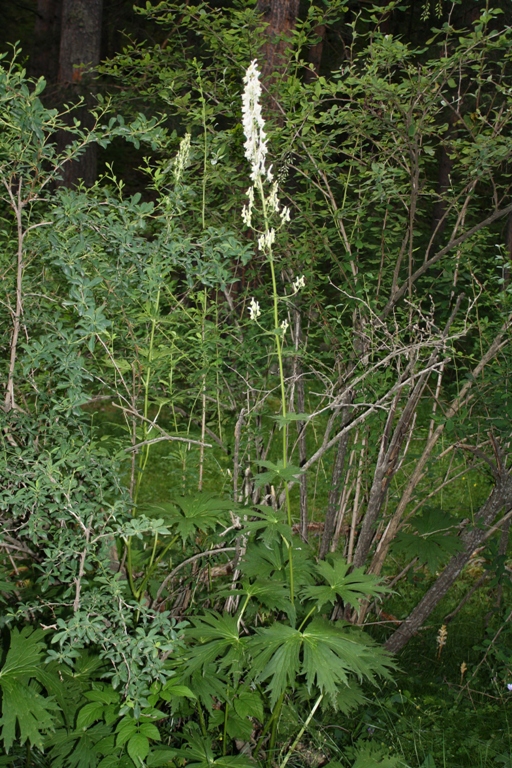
column 22, row 703
column 322, row 654
column 350, row 585
column 433, row 543
column 188, row 515
column 121, row 531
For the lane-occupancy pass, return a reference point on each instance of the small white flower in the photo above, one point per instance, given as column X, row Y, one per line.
column 284, row 326
column 273, row 200
column 298, row 283
column 284, row 214
column 247, row 209
column 254, row 309
column 266, row 240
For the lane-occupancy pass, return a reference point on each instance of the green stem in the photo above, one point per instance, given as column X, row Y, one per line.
column 244, row 606
column 273, row 734
column 307, row 617
column 275, row 713
column 145, row 450
column 129, row 568
column 225, row 729
column 279, row 352
column 201, row 720
column 301, row 732
column 205, row 135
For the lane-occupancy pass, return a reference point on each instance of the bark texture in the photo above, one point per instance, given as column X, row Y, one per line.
column 80, row 45
column 44, row 61
column 281, row 17
column 499, row 498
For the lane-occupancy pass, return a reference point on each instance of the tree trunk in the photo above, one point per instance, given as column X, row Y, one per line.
column 501, row 496
column 336, row 478
column 79, row 52
column 281, row 17
column 315, row 54
column 44, row 60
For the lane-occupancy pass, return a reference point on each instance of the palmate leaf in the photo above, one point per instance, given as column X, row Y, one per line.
column 372, row 756
column 81, row 749
column 199, row 754
column 272, row 594
column 188, row 514
column 217, row 639
column 270, row 524
column 350, row 587
column 276, row 472
column 35, row 714
column 433, row 544
column 276, row 655
column 22, row 703
column 324, row 655
column 271, row 562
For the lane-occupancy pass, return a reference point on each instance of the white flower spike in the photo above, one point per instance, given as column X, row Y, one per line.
column 253, row 123
column 182, row 157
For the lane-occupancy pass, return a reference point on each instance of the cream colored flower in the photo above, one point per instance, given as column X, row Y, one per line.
column 181, row 160
column 266, row 240
column 253, row 123
column 247, row 209
column 254, row 309
column 298, row 283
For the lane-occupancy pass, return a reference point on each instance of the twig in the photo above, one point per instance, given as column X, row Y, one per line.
column 167, row 437
column 183, row 563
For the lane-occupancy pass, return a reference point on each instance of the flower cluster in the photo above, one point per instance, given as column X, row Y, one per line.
column 266, row 240
column 181, row 160
column 256, row 147
column 254, row 309
column 254, row 125
column 298, row 283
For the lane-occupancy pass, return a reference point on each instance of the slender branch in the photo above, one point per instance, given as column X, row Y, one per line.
column 183, row 563
column 166, row 437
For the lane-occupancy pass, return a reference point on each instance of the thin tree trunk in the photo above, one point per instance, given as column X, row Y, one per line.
column 44, row 61
column 500, row 497
column 380, row 555
column 335, row 489
column 280, row 17
column 315, row 54
column 502, row 553
column 79, row 52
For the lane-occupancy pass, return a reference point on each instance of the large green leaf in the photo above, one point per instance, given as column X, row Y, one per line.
column 22, row 704
column 324, row 655
column 276, row 472
column 199, row 754
column 217, row 639
column 271, row 524
column 273, row 594
column 350, row 586
column 433, row 543
column 188, row 514
column 276, row 655
column 81, row 748
column 271, row 562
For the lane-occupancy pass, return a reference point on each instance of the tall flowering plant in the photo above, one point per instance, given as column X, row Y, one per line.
column 263, row 193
